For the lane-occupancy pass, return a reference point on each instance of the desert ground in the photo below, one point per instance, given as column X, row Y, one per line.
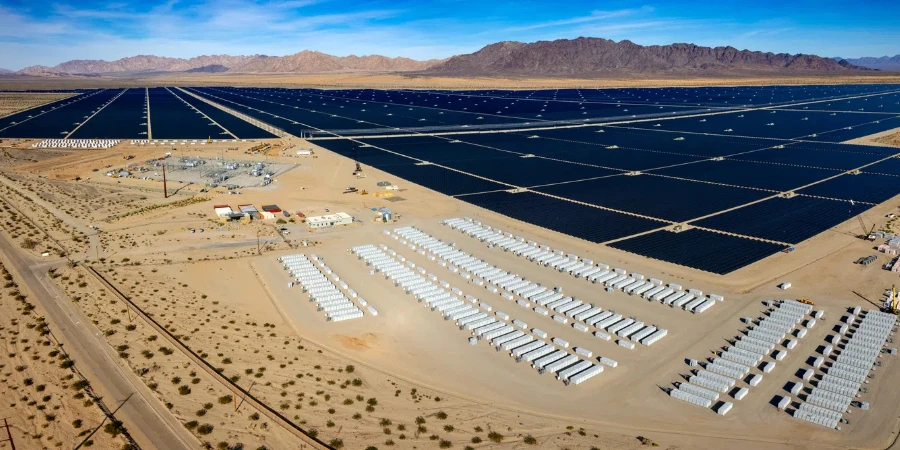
column 196, row 313
column 404, row 378
column 412, row 81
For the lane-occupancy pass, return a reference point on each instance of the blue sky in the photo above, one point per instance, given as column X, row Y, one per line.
column 49, row 32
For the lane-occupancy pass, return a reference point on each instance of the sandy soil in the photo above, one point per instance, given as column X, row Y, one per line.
column 45, row 400
column 892, row 140
column 232, row 305
column 387, row 80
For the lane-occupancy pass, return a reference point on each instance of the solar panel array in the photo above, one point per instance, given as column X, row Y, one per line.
column 135, row 113
column 744, row 171
column 742, row 185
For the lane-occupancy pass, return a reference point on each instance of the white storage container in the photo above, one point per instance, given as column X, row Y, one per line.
column 625, row 344
column 502, row 315
column 602, row 335
column 755, row 379
column 741, row 393
column 560, row 342
column 724, row 408
column 583, row 352
column 587, row 374
column 539, row 333
column 608, row 362
column 783, row 403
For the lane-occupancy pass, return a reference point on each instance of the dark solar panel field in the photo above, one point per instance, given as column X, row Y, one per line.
column 598, row 164
column 794, row 155
column 790, row 220
column 585, row 222
column 22, row 116
column 722, row 171
column 124, row 118
column 61, row 121
column 777, row 124
column 172, row 118
column 701, row 249
column 659, row 197
column 865, row 187
column 775, row 177
column 238, row 127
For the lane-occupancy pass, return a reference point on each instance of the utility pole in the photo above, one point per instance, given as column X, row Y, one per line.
column 165, row 190
column 8, row 435
column 258, row 252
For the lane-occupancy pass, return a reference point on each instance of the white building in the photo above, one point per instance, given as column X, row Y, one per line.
column 329, row 220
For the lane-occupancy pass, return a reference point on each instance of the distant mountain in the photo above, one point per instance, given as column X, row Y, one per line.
column 212, row 68
column 891, row 63
column 595, row 57
column 312, row 62
column 5, row 72
column 303, row 62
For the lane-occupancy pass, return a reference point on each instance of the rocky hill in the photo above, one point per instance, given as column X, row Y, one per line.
column 595, row 57
column 890, row 63
column 212, row 68
column 302, row 62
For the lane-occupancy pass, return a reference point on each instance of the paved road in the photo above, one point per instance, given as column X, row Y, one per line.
column 150, row 424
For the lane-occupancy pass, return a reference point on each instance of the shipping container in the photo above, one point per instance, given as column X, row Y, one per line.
column 565, row 374
column 583, row 376
column 608, row 362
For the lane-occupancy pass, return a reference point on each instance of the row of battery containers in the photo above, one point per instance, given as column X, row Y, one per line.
column 584, row 268
column 860, row 351
column 842, row 382
column 700, row 396
column 546, row 358
column 568, row 307
column 735, row 362
column 321, row 290
column 343, row 284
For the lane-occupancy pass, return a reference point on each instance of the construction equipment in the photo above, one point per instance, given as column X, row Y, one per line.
column 867, row 232
column 363, row 192
column 358, row 171
column 806, row 301
column 788, row 249
column 890, row 305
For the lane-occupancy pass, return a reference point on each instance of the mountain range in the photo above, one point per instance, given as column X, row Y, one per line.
column 595, row 57
column 880, row 63
column 581, row 57
column 302, row 62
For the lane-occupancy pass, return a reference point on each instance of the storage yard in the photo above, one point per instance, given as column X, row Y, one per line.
column 551, row 264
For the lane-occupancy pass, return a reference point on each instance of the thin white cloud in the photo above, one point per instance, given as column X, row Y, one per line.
column 592, row 17
column 766, row 32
